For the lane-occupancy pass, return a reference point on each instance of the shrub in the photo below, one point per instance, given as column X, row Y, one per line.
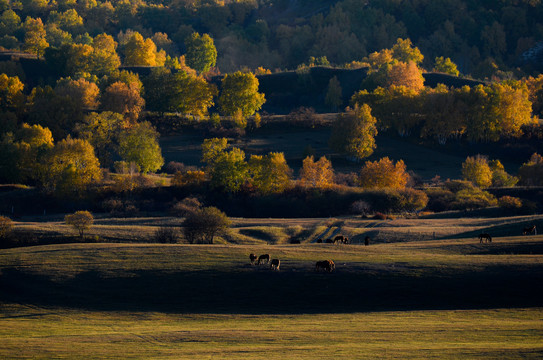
column 6, row 228
column 439, row 199
column 473, row 199
column 173, row 167
column 189, row 177
column 305, row 116
column 186, row 206
column 166, row 235
column 509, row 203
column 360, row 207
column 380, row 216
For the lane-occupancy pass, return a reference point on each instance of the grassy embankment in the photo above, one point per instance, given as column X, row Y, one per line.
column 421, row 299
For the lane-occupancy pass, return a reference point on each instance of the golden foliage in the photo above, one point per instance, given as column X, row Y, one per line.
column 319, row 174
column 384, row 174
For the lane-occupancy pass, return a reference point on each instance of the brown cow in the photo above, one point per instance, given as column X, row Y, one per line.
column 529, row 230
column 275, row 263
column 367, row 240
column 327, row 265
column 319, row 241
column 253, row 258
column 261, row 259
column 486, row 237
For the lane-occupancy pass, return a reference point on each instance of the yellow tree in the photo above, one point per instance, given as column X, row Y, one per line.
column 318, row 174
column 104, row 59
column 71, row 166
column 404, row 51
column 84, row 93
column 35, row 36
column 80, row 221
column 270, row 173
column 477, row 170
column 384, row 174
column 139, row 51
column 11, row 91
column 31, row 143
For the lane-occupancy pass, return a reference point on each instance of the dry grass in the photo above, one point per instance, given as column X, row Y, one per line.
column 283, row 231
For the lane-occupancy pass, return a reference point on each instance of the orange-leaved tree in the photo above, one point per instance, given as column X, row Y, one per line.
column 384, row 174
column 318, row 174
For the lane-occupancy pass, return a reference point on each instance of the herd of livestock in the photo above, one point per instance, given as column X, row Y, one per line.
column 328, row 265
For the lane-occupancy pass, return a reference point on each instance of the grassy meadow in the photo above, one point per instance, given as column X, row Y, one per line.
column 403, row 297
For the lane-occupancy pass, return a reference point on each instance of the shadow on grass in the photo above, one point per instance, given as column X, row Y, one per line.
column 284, row 292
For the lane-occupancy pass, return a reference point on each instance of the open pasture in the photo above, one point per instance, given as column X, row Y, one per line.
column 435, row 299
column 246, row 231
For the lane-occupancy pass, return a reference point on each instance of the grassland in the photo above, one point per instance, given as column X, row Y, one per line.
column 448, row 298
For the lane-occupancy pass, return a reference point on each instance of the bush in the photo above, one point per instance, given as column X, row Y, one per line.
column 380, row 216
column 166, row 235
column 469, row 199
column 189, row 177
column 186, row 206
column 173, row 167
column 360, row 207
column 6, row 226
column 439, row 199
column 305, row 117
column 509, row 203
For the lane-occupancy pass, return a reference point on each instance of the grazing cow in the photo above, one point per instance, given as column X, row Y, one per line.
column 329, row 241
column 327, row 265
column 486, row 237
column 275, row 263
column 253, row 258
column 341, row 239
column 319, row 241
column 529, row 230
column 265, row 257
column 367, row 240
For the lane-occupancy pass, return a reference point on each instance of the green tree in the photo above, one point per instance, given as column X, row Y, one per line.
column 354, row 133
column 139, row 144
column 80, row 221
column 531, row 172
column 334, row 97
column 201, row 226
column 445, row 65
column 10, row 22
column 201, row 53
column 477, row 170
column 239, row 91
column 500, row 178
column 179, row 92
column 102, row 131
column 226, row 169
column 35, row 36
